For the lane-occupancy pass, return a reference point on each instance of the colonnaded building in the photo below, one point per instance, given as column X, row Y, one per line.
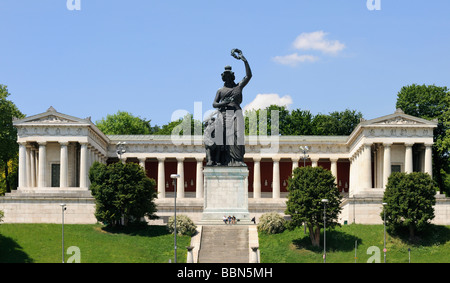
column 56, row 151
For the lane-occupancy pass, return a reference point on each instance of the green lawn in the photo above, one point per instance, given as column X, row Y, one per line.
column 294, row 246
column 41, row 243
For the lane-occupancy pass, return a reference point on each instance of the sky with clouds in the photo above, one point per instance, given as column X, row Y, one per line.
column 152, row 58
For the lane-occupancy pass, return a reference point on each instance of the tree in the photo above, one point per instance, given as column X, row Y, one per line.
column 432, row 102
column 124, row 123
column 410, row 199
column 307, row 188
column 122, row 191
column 8, row 135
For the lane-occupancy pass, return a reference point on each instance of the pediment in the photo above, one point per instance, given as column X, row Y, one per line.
column 51, row 117
column 399, row 118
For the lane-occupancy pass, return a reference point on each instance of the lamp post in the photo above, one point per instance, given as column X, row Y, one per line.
column 324, row 201
column 63, row 207
column 304, row 150
column 174, row 177
column 384, row 221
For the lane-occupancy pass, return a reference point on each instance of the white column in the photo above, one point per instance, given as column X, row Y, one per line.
column 257, row 177
column 33, row 168
column 408, row 158
column 142, row 163
column 161, row 178
column 199, row 178
column 180, row 181
column 63, row 165
column 276, row 177
column 428, row 159
column 42, row 164
column 83, row 165
column 294, row 164
column 22, row 165
column 366, row 167
column 334, row 168
column 386, row 163
column 28, row 166
column 314, row 161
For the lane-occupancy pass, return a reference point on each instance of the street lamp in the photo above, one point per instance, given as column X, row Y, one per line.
column 120, row 149
column 384, row 214
column 174, row 177
column 63, row 207
column 324, row 201
column 304, row 150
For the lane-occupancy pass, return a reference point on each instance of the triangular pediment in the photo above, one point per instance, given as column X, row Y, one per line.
column 51, row 117
column 398, row 118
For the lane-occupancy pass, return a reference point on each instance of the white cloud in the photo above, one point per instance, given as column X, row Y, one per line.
column 294, row 59
column 262, row 101
column 316, row 41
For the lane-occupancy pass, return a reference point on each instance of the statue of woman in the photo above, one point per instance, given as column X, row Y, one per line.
column 227, row 101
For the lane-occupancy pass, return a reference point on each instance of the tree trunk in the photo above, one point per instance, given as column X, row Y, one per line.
column 411, row 231
column 314, row 235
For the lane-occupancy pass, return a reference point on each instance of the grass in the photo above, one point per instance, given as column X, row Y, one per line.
column 433, row 246
column 41, row 243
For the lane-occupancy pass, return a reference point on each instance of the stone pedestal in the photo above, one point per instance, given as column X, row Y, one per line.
column 225, row 193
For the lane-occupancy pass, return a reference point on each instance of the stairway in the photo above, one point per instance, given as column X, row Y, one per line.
column 224, row 244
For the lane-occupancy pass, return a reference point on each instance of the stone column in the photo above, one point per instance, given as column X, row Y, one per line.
column 428, row 159
column 180, row 181
column 386, row 163
column 63, row 165
column 314, row 161
column 334, row 168
column 408, row 158
column 161, row 178
column 42, row 164
column 142, row 163
column 83, row 165
column 33, row 168
column 294, row 164
column 28, row 165
column 257, row 177
column 366, row 181
column 199, row 178
column 276, row 177
column 22, row 165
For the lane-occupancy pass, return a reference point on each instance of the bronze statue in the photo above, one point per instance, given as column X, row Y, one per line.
column 229, row 127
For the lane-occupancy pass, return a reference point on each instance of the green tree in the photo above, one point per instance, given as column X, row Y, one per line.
column 336, row 123
column 308, row 186
column 432, row 102
column 182, row 125
column 410, row 199
column 8, row 136
column 124, row 123
column 122, row 191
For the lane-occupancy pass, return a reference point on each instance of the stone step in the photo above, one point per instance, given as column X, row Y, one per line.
column 224, row 244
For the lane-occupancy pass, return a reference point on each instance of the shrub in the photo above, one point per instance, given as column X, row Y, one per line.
column 185, row 226
column 1, row 215
column 271, row 223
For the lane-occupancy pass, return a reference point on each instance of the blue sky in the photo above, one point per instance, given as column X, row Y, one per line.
column 152, row 58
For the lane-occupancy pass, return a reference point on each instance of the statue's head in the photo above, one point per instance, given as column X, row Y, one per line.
column 228, row 75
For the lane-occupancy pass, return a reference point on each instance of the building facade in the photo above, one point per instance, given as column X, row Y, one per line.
column 56, row 151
